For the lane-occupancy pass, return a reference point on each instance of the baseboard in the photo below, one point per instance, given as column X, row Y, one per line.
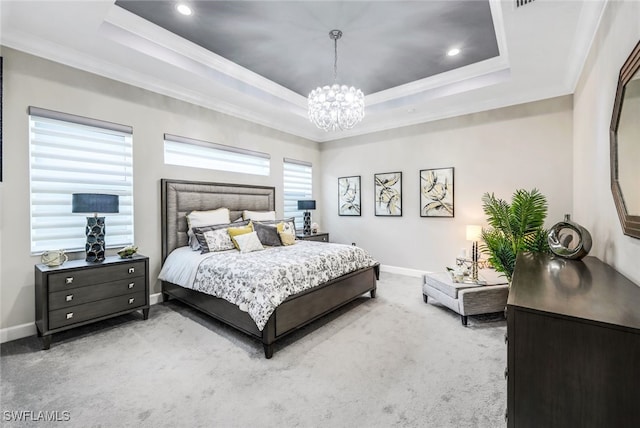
column 29, row 329
column 403, row 271
column 17, row 332
column 156, row 298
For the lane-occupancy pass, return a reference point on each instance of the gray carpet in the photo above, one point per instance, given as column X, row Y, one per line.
column 393, row 361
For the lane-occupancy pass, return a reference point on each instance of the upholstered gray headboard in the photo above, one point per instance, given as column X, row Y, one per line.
column 179, row 197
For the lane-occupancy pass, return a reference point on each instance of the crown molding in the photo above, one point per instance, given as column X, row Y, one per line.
column 193, row 74
column 150, row 39
column 252, row 110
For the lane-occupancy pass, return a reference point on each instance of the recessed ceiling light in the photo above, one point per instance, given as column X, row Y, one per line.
column 183, row 9
column 453, row 52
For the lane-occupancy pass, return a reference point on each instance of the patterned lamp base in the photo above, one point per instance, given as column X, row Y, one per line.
column 306, row 225
column 95, row 239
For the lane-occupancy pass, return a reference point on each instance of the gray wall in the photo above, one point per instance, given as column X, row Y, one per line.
column 29, row 80
column 618, row 33
column 497, row 151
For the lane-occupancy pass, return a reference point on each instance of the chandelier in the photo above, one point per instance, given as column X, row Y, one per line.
column 336, row 106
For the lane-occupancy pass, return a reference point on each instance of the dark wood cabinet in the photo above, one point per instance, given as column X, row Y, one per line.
column 321, row 237
column 79, row 293
column 573, row 332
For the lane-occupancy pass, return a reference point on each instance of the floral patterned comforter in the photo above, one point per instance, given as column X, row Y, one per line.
column 258, row 282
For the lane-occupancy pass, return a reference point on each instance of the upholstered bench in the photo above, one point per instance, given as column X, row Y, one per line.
column 466, row 298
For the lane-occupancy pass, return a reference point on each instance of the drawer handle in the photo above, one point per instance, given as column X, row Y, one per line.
column 506, row 338
column 132, row 270
column 131, row 284
column 68, row 280
column 70, row 315
column 131, row 300
column 506, row 373
column 69, row 297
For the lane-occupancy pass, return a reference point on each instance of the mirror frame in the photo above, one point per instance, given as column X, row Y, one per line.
column 630, row 223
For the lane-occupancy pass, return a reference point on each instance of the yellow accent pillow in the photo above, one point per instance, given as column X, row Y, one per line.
column 285, row 237
column 235, row 231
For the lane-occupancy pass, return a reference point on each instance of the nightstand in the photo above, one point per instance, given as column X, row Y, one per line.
column 321, row 237
column 79, row 293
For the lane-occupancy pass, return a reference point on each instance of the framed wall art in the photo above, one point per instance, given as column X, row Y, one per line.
column 349, row 202
column 388, row 193
column 436, row 192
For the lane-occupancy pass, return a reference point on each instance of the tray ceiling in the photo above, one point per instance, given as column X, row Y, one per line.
column 257, row 60
column 384, row 44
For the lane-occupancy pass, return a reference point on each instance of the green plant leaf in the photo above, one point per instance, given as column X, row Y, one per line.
column 528, row 209
column 497, row 211
column 515, row 227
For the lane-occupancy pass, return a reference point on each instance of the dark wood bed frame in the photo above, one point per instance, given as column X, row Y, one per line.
column 179, row 197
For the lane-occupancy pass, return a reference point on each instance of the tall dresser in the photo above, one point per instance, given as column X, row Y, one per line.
column 573, row 332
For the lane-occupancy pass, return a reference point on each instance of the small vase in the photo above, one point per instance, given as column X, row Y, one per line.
column 569, row 240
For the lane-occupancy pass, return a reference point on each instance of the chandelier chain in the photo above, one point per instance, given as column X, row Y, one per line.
column 335, row 60
column 335, row 35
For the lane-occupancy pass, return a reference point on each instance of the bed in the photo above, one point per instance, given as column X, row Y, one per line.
column 179, row 197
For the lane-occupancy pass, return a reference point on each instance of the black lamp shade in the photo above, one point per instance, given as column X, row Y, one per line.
column 307, row 205
column 94, row 203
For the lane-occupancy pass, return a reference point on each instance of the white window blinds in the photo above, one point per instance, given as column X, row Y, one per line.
column 297, row 186
column 73, row 154
column 201, row 154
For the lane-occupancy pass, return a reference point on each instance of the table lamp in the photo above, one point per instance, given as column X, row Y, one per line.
column 307, row 205
column 95, row 203
column 474, row 234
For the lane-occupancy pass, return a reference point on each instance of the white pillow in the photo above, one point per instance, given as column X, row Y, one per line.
column 204, row 218
column 258, row 215
column 248, row 242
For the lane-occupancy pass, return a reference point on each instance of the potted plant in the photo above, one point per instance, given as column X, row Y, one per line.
column 514, row 228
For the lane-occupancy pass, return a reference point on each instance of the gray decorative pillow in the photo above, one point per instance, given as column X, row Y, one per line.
column 217, row 240
column 290, row 224
column 267, row 234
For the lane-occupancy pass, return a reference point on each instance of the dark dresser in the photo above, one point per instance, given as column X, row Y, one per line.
column 573, row 332
column 320, row 237
column 79, row 293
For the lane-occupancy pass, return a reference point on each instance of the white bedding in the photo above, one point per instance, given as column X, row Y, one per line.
column 181, row 266
column 258, row 282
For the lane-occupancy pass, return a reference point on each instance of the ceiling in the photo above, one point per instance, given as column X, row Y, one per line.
column 289, row 43
column 257, row 60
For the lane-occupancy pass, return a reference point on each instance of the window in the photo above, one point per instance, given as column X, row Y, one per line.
column 201, row 154
column 297, row 186
column 73, row 154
